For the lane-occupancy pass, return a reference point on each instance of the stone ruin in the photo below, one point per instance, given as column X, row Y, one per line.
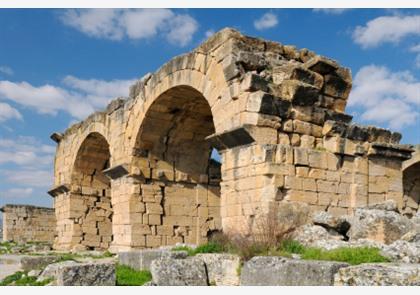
column 23, row 223
column 140, row 173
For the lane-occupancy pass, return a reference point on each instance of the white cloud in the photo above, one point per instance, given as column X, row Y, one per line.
column 16, row 193
column 25, row 161
column 384, row 29
column 388, row 98
column 7, row 112
column 267, row 21
column 6, row 70
column 416, row 49
column 98, row 92
column 209, row 33
column 80, row 97
column 181, row 29
column 136, row 24
column 334, row 11
column 26, row 151
column 25, row 177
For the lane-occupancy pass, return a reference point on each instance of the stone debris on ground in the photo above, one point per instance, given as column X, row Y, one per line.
column 72, row 273
column 385, row 274
column 179, row 272
column 280, row 271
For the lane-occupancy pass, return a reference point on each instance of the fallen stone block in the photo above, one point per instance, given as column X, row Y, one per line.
column 402, row 251
column 375, row 274
column 379, row 225
column 309, row 235
column 142, row 259
column 280, row 271
column 179, row 272
column 72, row 273
column 222, row 269
column 28, row 262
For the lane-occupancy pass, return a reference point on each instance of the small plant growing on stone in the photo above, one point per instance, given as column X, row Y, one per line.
column 126, row 276
column 21, row 278
column 354, row 256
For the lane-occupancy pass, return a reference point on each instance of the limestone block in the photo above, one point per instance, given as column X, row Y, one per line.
column 294, row 139
column 327, row 186
column 222, row 269
column 154, row 208
column 379, row 225
column 309, row 184
column 179, row 272
column 280, row 271
column 379, row 274
column 71, row 273
column 297, row 92
column 301, row 156
column 154, row 219
column 142, row 259
column 153, row 241
column 317, row 159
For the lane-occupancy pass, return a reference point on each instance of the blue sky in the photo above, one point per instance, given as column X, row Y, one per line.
column 57, row 66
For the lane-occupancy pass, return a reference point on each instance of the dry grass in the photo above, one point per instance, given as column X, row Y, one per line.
column 264, row 236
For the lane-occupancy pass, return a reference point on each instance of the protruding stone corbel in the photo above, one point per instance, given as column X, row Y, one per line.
column 116, row 171
column 388, row 150
column 230, row 139
column 57, row 137
column 61, row 189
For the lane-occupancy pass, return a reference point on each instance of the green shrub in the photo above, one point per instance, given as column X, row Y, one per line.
column 126, row 276
column 291, row 246
column 189, row 250
column 22, row 279
column 352, row 256
column 68, row 256
column 210, row 247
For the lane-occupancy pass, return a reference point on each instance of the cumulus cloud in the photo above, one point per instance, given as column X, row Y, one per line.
column 6, row 70
column 385, row 97
column 27, row 177
column 334, row 11
column 136, row 24
column 386, row 29
column 26, row 162
column 78, row 97
column 7, row 112
column 267, row 21
column 416, row 49
column 26, row 151
column 15, row 193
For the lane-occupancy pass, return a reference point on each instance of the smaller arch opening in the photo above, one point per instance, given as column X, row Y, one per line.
column 90, row 204
column 411, row 185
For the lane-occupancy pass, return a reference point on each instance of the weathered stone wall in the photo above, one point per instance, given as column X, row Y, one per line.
column 275, row 114
column 23, row 223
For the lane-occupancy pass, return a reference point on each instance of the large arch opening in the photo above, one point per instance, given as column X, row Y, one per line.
column 411, row 185
column 180, row 170
column 91, row 196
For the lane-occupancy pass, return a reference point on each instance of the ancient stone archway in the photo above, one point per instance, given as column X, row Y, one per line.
column 275, row 114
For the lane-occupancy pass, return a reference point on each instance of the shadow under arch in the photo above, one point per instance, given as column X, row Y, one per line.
column 411, row 186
